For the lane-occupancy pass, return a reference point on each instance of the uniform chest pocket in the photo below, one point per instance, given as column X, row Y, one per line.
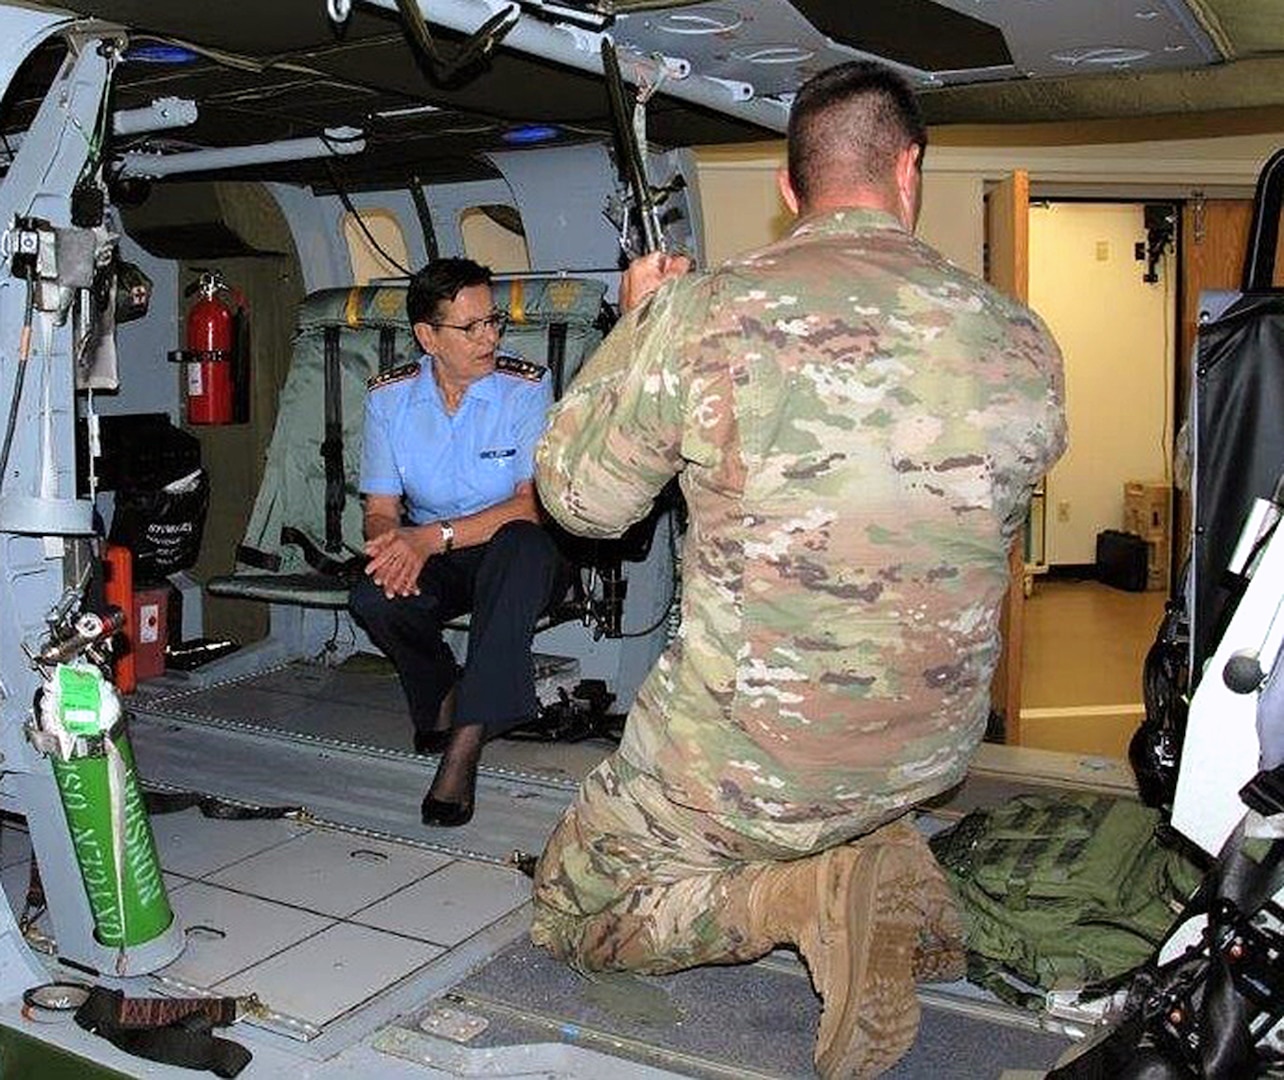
column 490, row 477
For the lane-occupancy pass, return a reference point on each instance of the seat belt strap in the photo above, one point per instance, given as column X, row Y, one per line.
column 346, row 571
column 332, row 445
column 557, row 356
column 387, row 348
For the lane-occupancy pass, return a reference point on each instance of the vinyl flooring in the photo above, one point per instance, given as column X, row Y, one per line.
column 1084, row 647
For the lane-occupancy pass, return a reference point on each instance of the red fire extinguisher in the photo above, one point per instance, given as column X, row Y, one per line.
column 208, row 359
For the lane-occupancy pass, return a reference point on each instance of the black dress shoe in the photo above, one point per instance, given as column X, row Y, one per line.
column 448, row 815
column 431, row 742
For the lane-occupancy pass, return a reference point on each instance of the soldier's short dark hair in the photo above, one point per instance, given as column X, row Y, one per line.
column 439, row 283
column 847, row 126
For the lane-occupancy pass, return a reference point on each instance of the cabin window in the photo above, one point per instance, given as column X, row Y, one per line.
column 493, row 236
column 382, row 253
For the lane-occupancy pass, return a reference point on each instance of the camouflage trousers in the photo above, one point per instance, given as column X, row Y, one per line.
column 632, row 881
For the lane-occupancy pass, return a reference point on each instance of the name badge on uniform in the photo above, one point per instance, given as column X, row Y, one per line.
column 498, row 452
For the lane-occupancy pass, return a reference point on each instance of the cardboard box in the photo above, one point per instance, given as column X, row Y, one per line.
column 1148, row 509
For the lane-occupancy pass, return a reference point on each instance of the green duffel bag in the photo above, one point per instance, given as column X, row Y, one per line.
column 1062, row 891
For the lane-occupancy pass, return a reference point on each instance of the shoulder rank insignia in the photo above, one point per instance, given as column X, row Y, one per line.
column 393, row 375
column 523, row 369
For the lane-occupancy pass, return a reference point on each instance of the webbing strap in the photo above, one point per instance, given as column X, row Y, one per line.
column 260, row 560
column 557, row 356
column 387, row 348
column 332, row 444
column 347, row 570
column 181, row 1036
column 211, row 806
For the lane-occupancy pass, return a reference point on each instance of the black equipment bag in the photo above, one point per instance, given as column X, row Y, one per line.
column 1237, row 440
column 1122, row 560
column 1238, row 419
column 162, row 528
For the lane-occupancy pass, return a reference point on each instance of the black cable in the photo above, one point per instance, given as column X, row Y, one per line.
column 356, row 214
column 673, row 589
column 24, row 350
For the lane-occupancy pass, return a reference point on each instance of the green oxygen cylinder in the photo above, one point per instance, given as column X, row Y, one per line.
column 110, row 830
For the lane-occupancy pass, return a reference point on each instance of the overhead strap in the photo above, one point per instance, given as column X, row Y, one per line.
column 424, row 214
column 477, row 47
column 332, row 444
column 175, row 1031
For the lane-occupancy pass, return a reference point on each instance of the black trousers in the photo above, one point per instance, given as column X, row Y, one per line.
column 506, row 584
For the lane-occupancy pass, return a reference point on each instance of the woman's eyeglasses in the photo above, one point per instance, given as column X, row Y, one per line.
column 474, row 331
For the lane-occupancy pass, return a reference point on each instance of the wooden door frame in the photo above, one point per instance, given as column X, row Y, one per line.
column 1007, row 215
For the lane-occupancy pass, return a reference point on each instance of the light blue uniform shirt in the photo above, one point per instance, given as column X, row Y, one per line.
column 448, row 466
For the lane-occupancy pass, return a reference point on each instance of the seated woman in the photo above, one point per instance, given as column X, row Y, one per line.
column 452, row 526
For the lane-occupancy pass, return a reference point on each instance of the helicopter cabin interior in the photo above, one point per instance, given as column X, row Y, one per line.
column 280, row 171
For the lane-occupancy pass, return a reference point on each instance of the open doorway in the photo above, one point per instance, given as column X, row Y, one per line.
column 1104, row 277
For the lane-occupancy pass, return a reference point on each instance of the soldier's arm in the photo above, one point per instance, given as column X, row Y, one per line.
column 615, row 438
column 1036, row 424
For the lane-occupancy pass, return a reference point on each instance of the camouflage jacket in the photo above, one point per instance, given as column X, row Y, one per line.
column 857, row 424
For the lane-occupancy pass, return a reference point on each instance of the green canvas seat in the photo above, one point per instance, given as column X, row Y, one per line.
column 553, row 321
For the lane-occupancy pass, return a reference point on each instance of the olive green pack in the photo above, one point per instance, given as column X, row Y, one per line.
column 1062, row 891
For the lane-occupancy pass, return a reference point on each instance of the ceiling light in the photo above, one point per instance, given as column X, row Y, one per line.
column 527, row 134
column 159, row 52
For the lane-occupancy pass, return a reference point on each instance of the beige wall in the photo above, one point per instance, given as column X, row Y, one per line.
column 743, row 210
column 1115, row 333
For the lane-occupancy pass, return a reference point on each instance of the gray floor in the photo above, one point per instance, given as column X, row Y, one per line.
column 744, row 1021
column 408, row 921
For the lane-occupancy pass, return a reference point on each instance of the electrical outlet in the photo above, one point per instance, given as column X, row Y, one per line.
column 1063, row 510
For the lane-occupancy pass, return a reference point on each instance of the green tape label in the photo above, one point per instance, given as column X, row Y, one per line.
column 79, row 693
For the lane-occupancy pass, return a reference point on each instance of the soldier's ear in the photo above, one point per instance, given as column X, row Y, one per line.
column 787, row 190
column 909, row 185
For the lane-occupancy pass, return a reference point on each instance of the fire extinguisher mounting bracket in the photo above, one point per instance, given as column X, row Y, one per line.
column 199, row 356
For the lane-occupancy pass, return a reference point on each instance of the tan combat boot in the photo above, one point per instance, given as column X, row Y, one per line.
column 868, row 918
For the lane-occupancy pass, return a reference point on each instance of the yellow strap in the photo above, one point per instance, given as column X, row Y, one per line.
column 352, row 310
column 516, row 300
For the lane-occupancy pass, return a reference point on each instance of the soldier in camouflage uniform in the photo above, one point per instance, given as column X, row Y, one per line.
column 857, row 425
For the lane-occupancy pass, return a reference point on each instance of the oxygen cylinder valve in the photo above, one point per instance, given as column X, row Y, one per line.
column 89, row 631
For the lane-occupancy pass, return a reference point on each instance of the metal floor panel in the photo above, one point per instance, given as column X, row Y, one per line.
column 364, row 789
column 333, row 742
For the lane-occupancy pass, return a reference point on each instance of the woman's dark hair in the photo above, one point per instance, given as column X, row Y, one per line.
column 439, row 283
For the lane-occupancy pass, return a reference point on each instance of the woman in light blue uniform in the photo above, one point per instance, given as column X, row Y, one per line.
column 452, row 526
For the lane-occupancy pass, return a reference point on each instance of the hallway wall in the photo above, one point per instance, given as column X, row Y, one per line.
column 1116, row 334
